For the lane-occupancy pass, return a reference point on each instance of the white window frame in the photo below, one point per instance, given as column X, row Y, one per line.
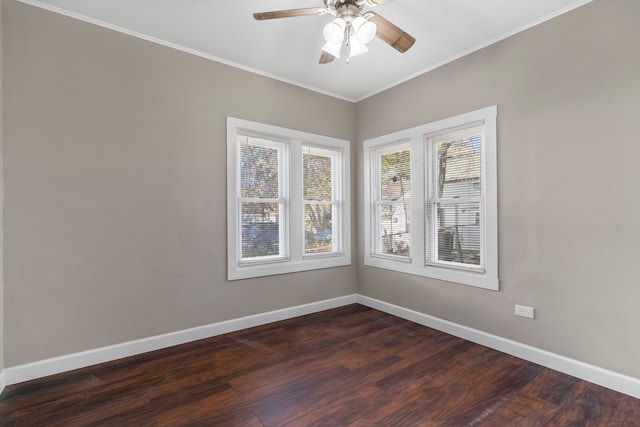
column 376, row 194
column 335, row 202
column 283, row 200
column 417, row 265
column 292, row 178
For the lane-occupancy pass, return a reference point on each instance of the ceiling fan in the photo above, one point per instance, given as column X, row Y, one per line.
column 353, row 27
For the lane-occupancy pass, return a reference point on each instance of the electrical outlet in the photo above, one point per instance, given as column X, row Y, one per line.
column 524, row 311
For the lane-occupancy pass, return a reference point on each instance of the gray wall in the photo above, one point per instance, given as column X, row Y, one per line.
column 1, row 202
column 568, row 96
column 115, row 187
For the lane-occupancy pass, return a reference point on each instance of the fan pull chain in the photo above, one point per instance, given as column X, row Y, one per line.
column 348, row 44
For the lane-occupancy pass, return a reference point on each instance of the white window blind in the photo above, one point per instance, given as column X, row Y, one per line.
column 454, row 202
column 263, row 198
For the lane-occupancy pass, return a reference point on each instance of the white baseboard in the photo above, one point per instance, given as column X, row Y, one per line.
column 3, row 380
column 606, row 378
column 42, row 368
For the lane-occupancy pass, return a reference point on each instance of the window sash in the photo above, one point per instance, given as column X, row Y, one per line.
column 321, row 237
column 260, row 236
column 448, row 246
column 391, row 242
column 328, row 238
column 446, row 241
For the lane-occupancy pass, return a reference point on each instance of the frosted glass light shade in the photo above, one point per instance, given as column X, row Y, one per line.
column 333, row 49
column 333, row 32
column 356, row 47
column 364, row 30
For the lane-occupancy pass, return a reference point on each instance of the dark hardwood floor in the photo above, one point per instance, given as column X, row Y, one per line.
column 351, row 366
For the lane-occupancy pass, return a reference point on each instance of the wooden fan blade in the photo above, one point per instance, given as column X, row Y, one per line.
column 390, row 33
column 325, row 58
column 261, row 16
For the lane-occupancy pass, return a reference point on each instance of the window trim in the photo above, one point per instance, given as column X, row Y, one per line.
column 297, row 259
column 419, row 164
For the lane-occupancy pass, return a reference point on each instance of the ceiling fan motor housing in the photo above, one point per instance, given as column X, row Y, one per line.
column 346, row 9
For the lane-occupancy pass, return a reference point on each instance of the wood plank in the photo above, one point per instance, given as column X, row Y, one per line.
column 590, row 404
column 278, row 409
column 520, row 409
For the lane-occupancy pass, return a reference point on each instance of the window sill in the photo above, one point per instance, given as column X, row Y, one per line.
column 245, row 271
column 463, row 277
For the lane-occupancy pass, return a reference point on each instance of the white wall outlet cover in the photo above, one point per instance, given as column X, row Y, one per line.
column 524, row 311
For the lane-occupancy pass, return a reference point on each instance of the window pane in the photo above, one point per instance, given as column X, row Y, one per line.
column 260, row 229
column 318, row 228
column 316, row 171
column 459, row 167
column 393, row 229
column 258, row 171
column 395, row 176
column 458, row 237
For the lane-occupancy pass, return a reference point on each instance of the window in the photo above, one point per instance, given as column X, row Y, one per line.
column 321, row 206
column 287, row 200
column 263, row 199
column 392, row 200
column 431, row 200
column 454, row 198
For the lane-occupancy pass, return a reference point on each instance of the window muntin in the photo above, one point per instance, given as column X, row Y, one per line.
column 452, row 202
column 281, row 219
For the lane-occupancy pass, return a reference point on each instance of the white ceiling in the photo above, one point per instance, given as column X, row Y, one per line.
column 288, row 49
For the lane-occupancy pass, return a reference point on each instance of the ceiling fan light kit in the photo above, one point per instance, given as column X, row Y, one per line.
column 351, row 30
column 357, row 33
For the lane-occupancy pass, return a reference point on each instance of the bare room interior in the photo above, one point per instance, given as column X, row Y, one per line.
column 142, row 284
